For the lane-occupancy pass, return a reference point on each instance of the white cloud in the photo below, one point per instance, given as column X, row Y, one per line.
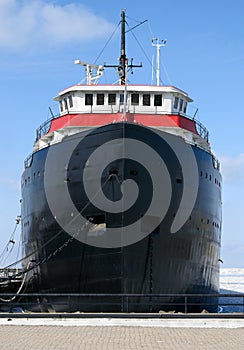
column 28, row 23
column 233, row 168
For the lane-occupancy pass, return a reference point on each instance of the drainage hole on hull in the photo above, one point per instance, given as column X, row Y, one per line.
column 133, row 172
column 179, row 181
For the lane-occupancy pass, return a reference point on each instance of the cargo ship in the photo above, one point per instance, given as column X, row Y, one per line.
column 121, row 195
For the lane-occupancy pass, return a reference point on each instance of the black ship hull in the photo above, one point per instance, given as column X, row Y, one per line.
column 164, row 261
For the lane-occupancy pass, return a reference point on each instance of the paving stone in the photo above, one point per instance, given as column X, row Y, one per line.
column 119, row 338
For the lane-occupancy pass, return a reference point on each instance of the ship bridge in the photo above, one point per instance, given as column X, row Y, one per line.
column 82, row 107
column 141, row 99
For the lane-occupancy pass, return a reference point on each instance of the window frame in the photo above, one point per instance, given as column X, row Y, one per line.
column 87, row 101
column 71, row 102
column 136, row 96
column 65, row 104
column 145, row 96
column 61, row 107
column 111, row 98
column 176, row 102
column 158, row 103
column 102, row 97
column 181, row 105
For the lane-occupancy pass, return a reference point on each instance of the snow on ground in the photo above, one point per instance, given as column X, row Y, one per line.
column 232, row 280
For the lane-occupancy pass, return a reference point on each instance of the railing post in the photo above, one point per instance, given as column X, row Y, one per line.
column 69, row 303
column 185, row 304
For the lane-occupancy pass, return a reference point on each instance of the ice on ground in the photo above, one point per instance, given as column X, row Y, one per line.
column 232, row 280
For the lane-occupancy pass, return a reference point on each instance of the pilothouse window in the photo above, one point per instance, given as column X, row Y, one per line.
column 135, row 99
column 181, row 104
column 157, row 100
column 146, row 99
column 185, row 107
column 88, row 99
column 121, row 98
column 100, row 99
column 70, row 101
column 61, row 106
column 111, row 99
column 176, row 102
column 65, row 103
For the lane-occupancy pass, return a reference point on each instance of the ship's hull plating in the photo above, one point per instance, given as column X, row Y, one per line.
column 165, row 262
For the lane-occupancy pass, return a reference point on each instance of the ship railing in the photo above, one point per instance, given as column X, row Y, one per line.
column 10, row 274
column 124, row 303
column 5, row 272
column 45, row 126
column 201, row 130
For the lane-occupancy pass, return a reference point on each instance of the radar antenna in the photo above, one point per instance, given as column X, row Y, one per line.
column 90, row 79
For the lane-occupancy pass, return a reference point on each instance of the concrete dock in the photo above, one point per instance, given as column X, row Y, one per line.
column 170, row 334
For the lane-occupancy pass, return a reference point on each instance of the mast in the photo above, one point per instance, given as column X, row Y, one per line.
column 123, row 66
column 122, row 51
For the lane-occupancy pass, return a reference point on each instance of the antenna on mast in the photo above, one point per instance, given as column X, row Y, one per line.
column 123, row 65
column 158, row 43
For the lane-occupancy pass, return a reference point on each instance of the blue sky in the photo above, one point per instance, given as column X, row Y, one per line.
column 204, row 55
